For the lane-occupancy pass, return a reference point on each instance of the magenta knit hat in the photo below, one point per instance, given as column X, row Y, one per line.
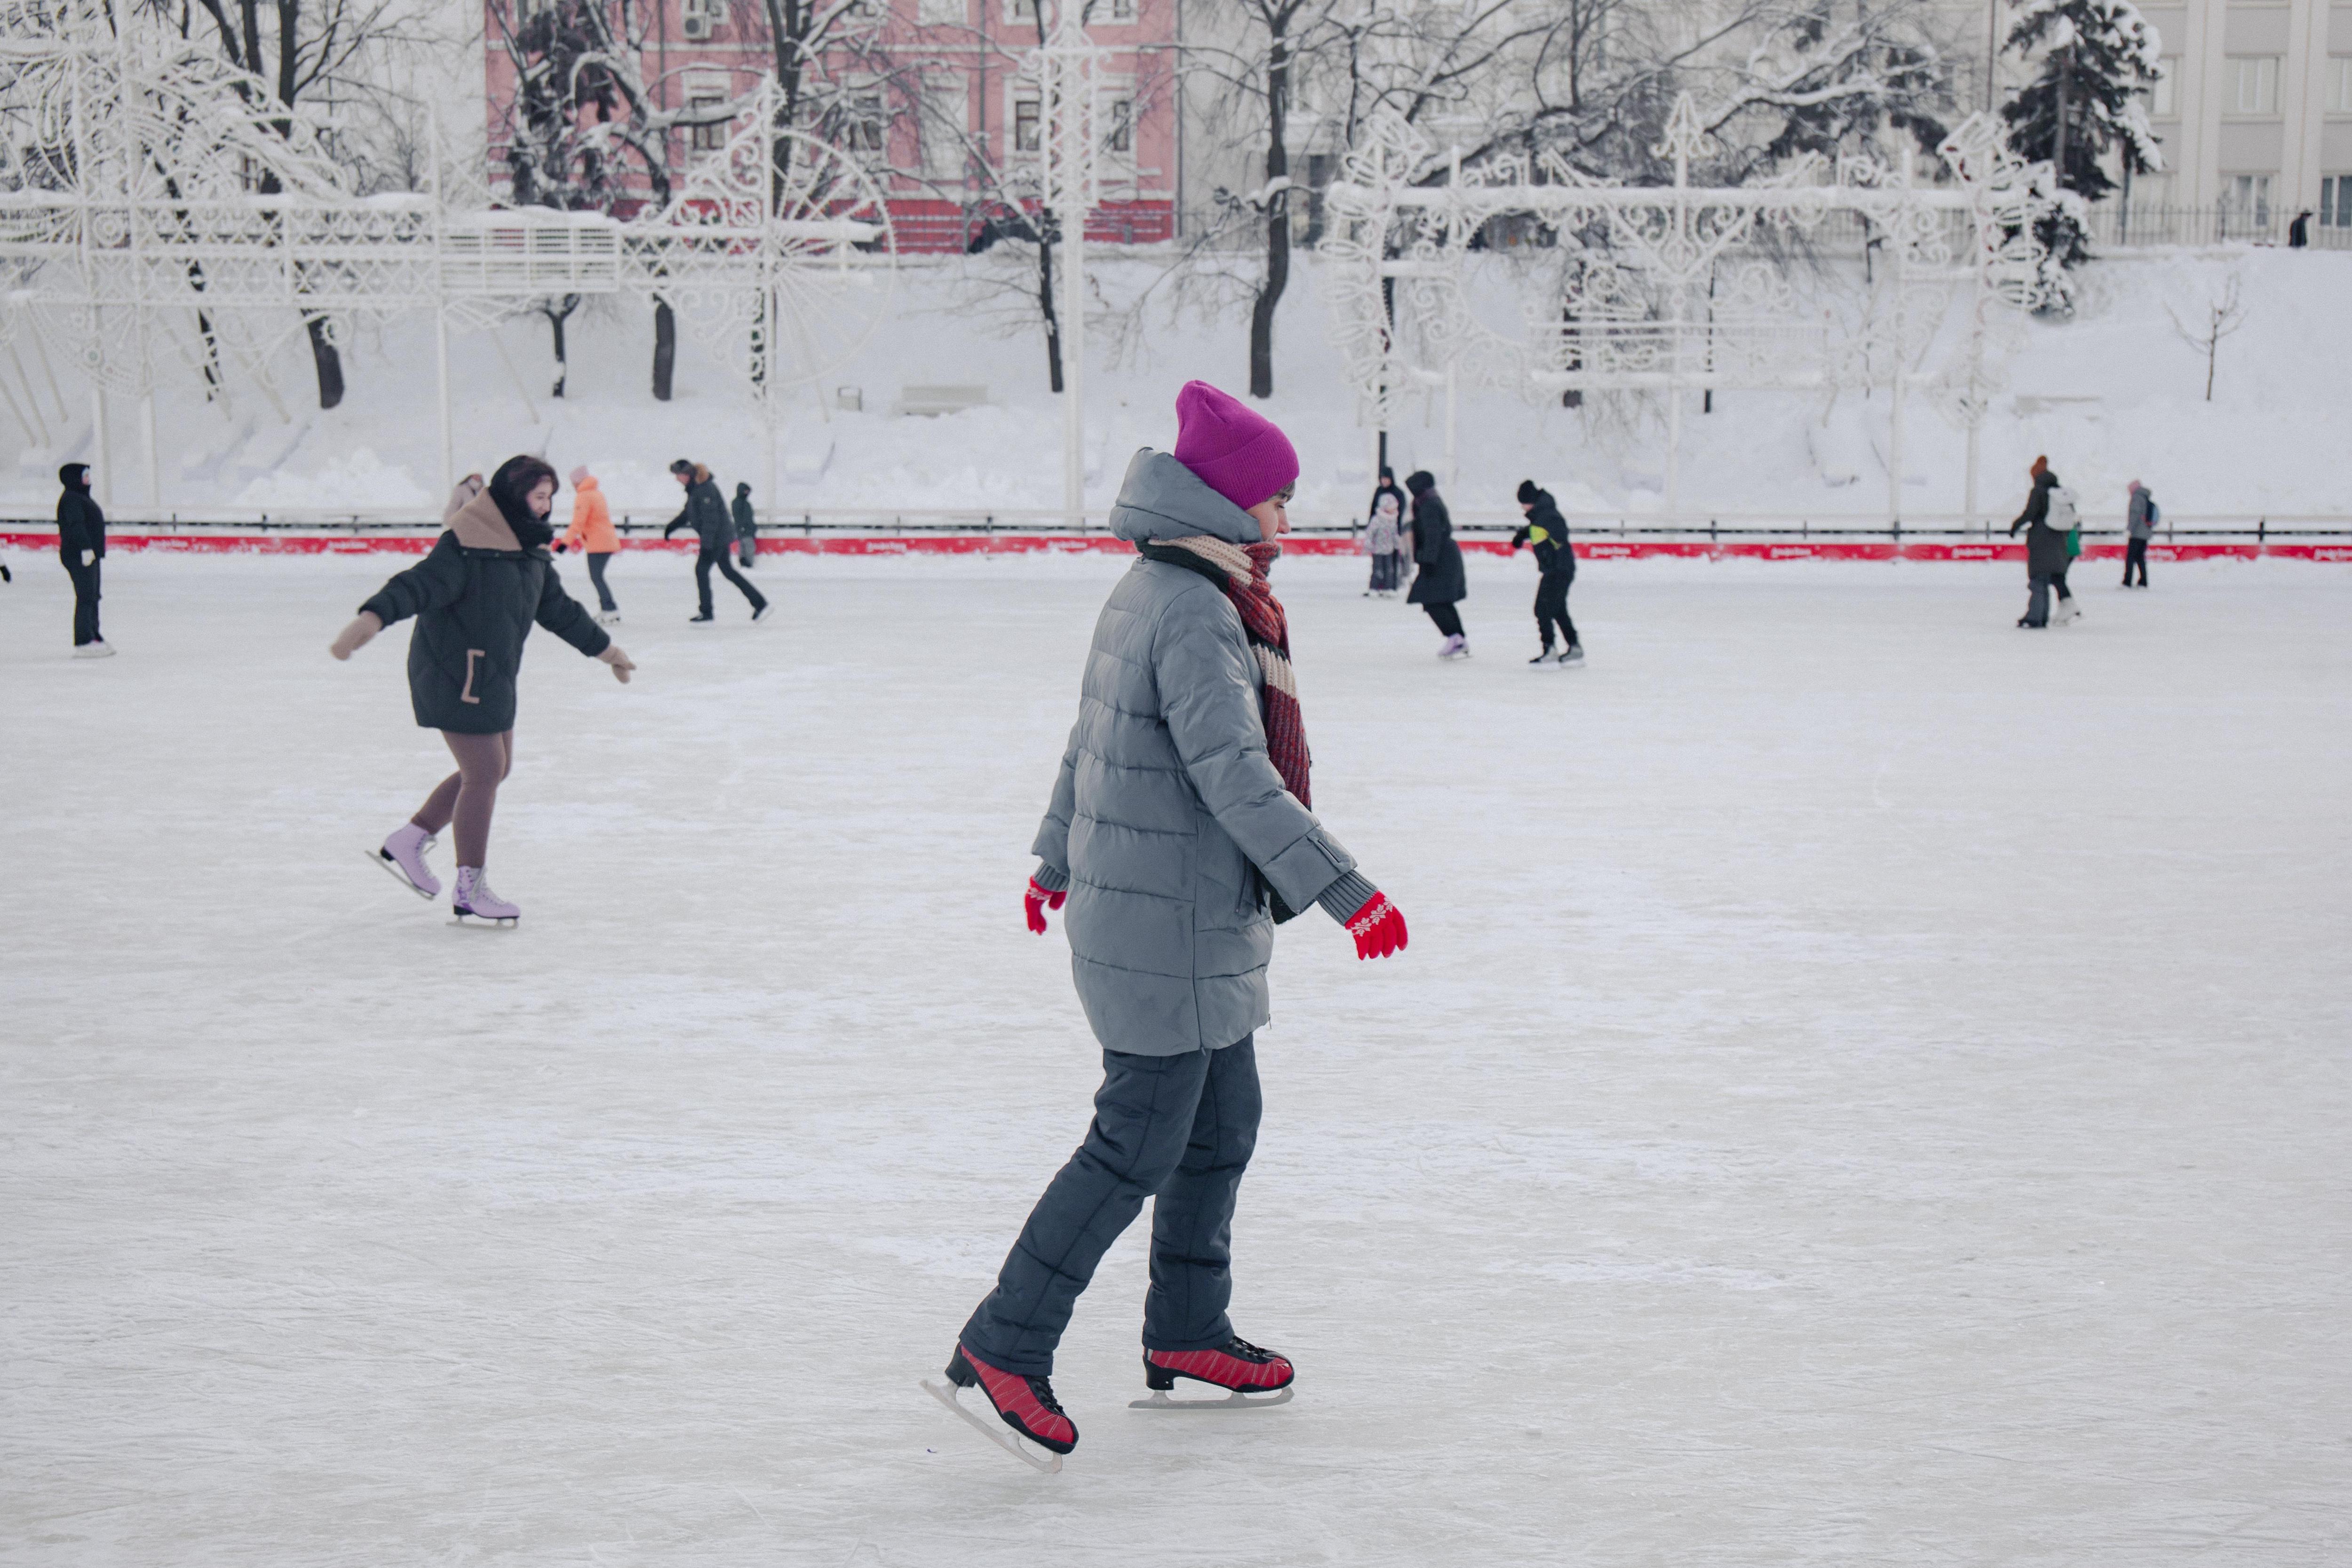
column 1238, row 452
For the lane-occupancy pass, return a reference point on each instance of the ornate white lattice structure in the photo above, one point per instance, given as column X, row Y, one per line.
column 157, row 219
column 1673, row 288
column 1066, row 72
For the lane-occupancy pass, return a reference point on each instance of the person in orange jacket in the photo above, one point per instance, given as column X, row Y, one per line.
column 592, row 530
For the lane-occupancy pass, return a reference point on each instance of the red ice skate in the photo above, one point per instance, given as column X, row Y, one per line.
column 1237, row 1367
column 1026, row 1404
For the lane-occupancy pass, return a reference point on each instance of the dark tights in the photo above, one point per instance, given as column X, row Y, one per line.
column 468, row 796
column 1447, row 621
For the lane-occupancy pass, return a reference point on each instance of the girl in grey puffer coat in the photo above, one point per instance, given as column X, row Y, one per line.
column 1178, row 831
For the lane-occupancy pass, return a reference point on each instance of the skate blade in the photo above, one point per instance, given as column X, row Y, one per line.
column 1004, row 1437
column 1237, row 1400
column 390, row 868
column 485, row 922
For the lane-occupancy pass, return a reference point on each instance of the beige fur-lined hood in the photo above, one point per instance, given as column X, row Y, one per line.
column 479, row 525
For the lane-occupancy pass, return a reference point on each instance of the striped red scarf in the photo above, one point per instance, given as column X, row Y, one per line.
column 1241, row 571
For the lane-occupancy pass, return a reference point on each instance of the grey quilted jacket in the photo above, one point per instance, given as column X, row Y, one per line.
column 1168, row 819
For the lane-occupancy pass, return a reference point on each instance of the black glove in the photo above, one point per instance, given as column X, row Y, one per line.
column 5, row 575
column 561, row 547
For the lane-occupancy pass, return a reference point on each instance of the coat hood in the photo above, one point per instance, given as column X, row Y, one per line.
column 1163, row 499
column 701, row 475
column 479, row 525
column 584, row 482
column 74, row 475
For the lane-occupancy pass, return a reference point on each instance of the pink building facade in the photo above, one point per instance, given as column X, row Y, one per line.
column 928, row 95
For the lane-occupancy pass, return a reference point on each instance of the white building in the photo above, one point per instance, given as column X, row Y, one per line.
column 2255, row 116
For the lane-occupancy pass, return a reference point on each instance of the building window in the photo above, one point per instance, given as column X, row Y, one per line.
column 698, row 19
column 2336, row 201
column 2247, row 199
column 863, row 123
column 2339, row 85
column 946, row 112
column 1121, row 137
column 2162, row 101
column 2254, row 84
column 1021, row 10
column 938, row 13
column 709, row 135
column 1025, row 125
column 1118, row 10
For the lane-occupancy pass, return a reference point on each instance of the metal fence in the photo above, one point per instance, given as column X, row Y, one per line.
column 2140, row 223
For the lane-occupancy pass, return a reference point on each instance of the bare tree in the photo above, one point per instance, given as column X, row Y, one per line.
column 2212, row 321
column 302, row 51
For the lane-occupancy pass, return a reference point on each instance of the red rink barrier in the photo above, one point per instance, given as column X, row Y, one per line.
column 1588, row 547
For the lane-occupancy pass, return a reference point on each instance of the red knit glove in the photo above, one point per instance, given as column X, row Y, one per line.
column 1377, row 928
column 1037, row 900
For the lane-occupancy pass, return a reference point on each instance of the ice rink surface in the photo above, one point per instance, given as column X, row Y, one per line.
column 1869, row 1085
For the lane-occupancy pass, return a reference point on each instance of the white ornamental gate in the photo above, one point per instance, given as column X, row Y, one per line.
column 1675, row 288
column 156, row 219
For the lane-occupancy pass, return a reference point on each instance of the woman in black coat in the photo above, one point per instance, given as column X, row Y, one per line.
column 488, row 577
column 81, row 548
column 1439, row 585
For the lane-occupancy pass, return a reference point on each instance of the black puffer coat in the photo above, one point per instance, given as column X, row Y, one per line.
column 2045, row 547
column 1441, row 579
column 705, row 512
column 475, row 597
column 80, row 525
column 1547, row 530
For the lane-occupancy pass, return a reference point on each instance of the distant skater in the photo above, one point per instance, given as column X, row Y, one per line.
column 592, row 532
column 1440, row 584
column 1546, row 532
column 2049, row 517
column 2139, row 524
column 81, row 547
column 706, row 513
column 1385, row 536
column 747, row 525
column 488, row 579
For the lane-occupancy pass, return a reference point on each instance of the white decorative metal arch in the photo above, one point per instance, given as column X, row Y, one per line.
column 1677, row 287
column 153, row 208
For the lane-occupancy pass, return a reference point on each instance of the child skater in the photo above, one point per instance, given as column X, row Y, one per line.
column 1385, row 536
column 1546, row 531
column 1181, row 834
column 475, row 596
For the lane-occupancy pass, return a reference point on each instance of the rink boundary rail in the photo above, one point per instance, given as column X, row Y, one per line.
column 1597, row 536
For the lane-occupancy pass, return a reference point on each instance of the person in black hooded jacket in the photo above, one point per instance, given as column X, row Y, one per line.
column 81, row 546
column 1439, row 585
column 488, row 579
column 1547, row 532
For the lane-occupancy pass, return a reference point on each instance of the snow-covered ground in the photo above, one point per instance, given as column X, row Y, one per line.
column 2111, row 396
column 1869, row 1085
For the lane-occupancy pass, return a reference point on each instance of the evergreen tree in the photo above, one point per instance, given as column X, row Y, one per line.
column 2098, row 58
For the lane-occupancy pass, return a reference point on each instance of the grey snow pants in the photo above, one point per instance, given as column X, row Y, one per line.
column 1177, row 1129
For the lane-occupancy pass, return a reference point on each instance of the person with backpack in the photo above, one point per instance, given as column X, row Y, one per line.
column 1546, row 533
column 2139, row 523
column 706, row 513
column 2051, row 523
column 1440, row 584
column 1385, row 536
